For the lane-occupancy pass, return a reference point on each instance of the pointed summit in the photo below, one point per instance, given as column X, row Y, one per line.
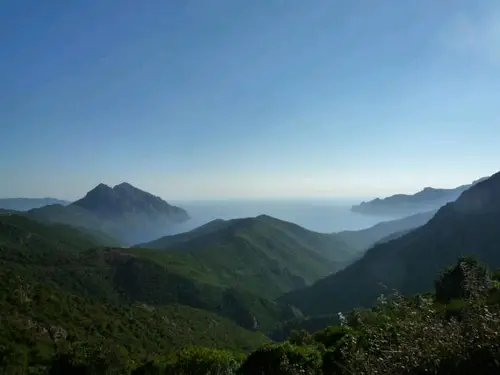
column 99, row 192
column 124, row 185
column 130, row 214
column 124, row 199
column 101, row 187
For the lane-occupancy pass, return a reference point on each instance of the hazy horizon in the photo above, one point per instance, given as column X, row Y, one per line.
column 248, row 100
column 283, row 198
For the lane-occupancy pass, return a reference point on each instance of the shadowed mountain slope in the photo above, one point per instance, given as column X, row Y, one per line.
column 364, row 238
column 410, row 263
column 123, row 212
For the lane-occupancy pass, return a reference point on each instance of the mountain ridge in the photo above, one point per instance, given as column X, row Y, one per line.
column 123, row 212
column 362, row 239
column 410, row 263
column 427, row 199
column 262, row 253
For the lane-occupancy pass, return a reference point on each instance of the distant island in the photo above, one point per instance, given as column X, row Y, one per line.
column 427, row 199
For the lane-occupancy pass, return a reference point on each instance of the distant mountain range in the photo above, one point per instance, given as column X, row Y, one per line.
column 411, row 262
column 123, row 212
column 26, row 204
column 384, row 231
column 405, row 204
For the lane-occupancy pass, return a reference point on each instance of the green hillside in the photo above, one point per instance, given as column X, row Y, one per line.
column 411, row 262
column 160, row 278
column 31, row 239
column 57, row 285
column 177, row 239
column 263, row 255
column 75, row 262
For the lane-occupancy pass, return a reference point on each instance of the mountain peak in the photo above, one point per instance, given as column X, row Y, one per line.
column 265, row 217
column 101, row 186
column 124, row 185
column 125, row 199
column 101, row 190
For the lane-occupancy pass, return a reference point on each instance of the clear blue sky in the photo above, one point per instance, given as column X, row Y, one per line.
column 248, row 98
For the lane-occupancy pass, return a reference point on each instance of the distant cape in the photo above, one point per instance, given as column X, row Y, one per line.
column 405, row 204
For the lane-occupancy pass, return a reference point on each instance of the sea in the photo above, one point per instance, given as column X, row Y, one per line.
column 319, row 215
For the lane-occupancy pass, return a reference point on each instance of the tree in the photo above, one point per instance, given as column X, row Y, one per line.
column 465, row 279
column 283, row 359
column 203, row 361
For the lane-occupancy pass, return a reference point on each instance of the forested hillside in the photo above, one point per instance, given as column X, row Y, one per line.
column 264, row 255
column 411, row 262
column 71, row 304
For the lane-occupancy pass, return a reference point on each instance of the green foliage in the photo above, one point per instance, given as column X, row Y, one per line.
column 58, row 299
column 57, row 254
column 307, row 323
column 454, row 282
column 65, row 308
column 283, row 359
column 411, row 263
column 262, row 255
column 203, row 361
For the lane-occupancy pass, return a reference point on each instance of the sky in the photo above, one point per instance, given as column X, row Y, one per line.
column 194, row 99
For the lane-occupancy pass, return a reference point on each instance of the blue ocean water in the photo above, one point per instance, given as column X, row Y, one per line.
column 325, row 216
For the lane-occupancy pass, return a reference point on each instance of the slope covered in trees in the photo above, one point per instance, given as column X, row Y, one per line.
column 454, row 332
column 264, row 255
column 55, row 290
column 70, row 305
column 411, row 262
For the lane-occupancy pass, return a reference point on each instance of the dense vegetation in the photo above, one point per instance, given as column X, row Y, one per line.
column 69, row 305
column 411, row 262
column 454, row 331
column 73, row 261
column 263, row 255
